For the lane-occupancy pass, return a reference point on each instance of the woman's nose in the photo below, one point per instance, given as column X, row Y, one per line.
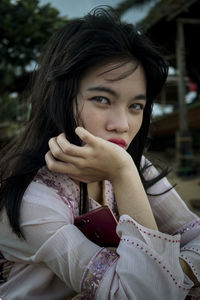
column 118, row 121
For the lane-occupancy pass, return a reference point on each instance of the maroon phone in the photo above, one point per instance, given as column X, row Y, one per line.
column 99, row 226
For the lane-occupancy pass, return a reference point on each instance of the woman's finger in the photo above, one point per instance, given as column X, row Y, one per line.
column 55, row 149
column 86, row 136
column 63, row 168
column 59, row 166
column 68, row 148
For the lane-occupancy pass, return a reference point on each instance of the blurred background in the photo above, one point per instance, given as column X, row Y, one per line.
column 173, row 26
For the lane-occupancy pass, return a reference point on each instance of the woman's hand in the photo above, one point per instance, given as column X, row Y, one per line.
column 96, row 160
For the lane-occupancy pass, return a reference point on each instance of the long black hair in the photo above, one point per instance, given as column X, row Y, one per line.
column 69, row 53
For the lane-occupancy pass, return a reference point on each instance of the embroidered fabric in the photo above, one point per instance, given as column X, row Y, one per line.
column 155, row 258
column 149, row 233
column 193, row 224
column 101, row 262
column 190, row 264
column 69, row 192
column 95, row 271
column 64, row 187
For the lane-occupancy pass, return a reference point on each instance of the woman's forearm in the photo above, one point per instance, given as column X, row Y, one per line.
column 131, row 197
column 132, row 200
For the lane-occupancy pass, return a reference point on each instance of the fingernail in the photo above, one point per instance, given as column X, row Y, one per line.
column 78, row 130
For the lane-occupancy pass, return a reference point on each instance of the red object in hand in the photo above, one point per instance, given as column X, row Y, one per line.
column 99, row 226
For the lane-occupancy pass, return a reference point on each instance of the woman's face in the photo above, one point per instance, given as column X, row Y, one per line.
column 110, row 107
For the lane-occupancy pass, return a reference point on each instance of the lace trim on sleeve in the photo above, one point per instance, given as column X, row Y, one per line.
column 96, row 270
column 193, row 224
column 190, row 264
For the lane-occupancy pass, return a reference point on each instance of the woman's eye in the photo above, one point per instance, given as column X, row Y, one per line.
column 137, row 106
column 100, row 99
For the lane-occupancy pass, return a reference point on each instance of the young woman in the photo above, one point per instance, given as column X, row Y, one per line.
column 83, row 147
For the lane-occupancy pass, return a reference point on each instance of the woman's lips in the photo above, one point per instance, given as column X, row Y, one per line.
column 119, row 142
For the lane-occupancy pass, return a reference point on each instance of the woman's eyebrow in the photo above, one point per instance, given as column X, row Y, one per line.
column 104, row 89
column 114, row 93
column 140, row 97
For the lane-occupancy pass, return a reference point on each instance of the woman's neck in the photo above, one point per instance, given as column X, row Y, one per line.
column 95, row 191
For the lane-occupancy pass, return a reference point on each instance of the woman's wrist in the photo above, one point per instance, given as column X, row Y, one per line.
column 126, row 171
column 131, row 197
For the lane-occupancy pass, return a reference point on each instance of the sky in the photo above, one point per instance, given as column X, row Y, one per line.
column 78, row 8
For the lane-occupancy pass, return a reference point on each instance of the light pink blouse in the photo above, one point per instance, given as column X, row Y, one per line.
column 56, row 260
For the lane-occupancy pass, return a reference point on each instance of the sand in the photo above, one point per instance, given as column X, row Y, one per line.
column 187, row 187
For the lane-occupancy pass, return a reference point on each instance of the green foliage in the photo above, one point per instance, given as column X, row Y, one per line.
column 25, row 26
column 8, row 104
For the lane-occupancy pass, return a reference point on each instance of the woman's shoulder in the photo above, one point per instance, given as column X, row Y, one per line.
column 56, row 181
column 52, row 189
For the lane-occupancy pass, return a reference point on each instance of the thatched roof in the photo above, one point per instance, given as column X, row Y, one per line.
column 167, row 10
column 161, row 26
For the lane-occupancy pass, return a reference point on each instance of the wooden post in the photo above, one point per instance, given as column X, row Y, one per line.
column 183, row 137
